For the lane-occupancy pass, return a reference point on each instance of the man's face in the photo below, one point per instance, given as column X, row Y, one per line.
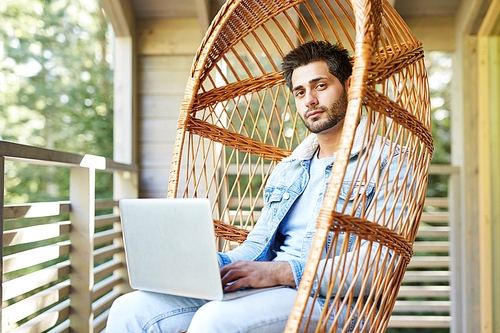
column 319, row 96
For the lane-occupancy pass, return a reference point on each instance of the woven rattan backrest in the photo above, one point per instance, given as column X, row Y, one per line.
column 238, row 120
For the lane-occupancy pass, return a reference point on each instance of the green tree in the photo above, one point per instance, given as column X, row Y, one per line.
column 55, row 89
column 439, row 68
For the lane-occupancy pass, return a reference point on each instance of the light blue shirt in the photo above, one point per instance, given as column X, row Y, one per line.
column 308, row 204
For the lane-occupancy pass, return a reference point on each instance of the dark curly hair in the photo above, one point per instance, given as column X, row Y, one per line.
column 337, row 59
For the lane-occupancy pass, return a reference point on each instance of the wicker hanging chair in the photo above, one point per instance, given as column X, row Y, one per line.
column 238, row 120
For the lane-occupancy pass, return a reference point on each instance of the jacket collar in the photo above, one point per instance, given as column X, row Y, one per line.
column 308, row 147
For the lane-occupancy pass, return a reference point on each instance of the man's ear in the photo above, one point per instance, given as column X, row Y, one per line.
column 347, row 83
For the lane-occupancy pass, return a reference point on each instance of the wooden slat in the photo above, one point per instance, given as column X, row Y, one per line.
column 443, row 169
column 105, row 302
column 100, row 322
column 20, row 151
column 422, row 306
column 429, row 261
column 81, row 195
column 34, row 280
column 106, row 236
column 46, row 320
column 61, row 328
column 37, row 155
column 424, row 291
column 106, row 269
column 35, row 256
column 105, row 286
column 437, row 202
column 427, row 232
column 106, row 252
column 36, row 233
column 39, row 209
column 105, row 204
column 426, row 276
column 103, row 220
column 435, row 217
column 431, row 247
column 17, row 311
column 420, row 321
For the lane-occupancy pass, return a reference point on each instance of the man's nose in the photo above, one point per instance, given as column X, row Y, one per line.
column 311, row 100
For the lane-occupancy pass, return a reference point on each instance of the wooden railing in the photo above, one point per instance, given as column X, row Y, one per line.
column 424, row 298
column 62, row 275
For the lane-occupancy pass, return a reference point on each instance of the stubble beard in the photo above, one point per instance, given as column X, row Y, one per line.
column 335, row 113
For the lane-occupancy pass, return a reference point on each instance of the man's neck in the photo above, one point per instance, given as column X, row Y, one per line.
column 329, row 140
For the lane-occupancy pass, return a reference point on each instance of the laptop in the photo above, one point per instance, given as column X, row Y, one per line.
column 170, row 248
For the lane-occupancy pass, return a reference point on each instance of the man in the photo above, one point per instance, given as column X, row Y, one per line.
column 276, row 251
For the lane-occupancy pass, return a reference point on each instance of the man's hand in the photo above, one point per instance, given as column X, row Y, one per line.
column 256, row 274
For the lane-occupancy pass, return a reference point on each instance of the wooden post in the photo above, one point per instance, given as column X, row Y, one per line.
column 125, row 119
column 484, row 187
column 495, row 175
column 488, row 126
column 82, row 198
column 125, row 185
column 456, row 246
column 2, row 187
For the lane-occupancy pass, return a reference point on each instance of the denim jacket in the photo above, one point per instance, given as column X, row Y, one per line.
column 287, row 182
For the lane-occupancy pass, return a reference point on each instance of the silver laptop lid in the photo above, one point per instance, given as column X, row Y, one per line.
column 170, row 247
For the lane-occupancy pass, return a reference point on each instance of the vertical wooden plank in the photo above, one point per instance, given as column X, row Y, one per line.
column 484, row 186
column 2, row 188
column 165, row 50
column 82, row 198
column 464, row 138
column 466, row 306
column 125, row 185
column 124, row 108
column 489, row 70
column 494, row 55
column 456, row 247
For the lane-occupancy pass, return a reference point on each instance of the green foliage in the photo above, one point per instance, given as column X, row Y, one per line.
column 440, row 73
column 439, row 68
column 55, row 90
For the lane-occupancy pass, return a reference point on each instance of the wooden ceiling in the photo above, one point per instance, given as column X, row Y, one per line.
column 195, row 8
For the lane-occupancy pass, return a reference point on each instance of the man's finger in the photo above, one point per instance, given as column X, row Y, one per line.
column 236, row 285
column 229, row 276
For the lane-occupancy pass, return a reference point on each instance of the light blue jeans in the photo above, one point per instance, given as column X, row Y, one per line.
column 266, row 311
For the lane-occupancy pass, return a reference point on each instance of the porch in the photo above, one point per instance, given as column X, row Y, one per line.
column 63, row 262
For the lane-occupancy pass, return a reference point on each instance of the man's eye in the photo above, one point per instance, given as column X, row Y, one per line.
column 299, row 93
column 321, row 86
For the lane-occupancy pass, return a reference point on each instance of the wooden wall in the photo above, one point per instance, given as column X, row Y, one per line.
column 165, row 51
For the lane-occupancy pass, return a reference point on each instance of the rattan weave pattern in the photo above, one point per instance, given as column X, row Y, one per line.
column 238, row 120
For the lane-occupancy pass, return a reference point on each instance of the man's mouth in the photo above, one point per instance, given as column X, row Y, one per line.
column 314, row 113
